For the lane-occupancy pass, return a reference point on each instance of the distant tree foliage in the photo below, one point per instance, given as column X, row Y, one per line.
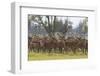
column 84, row 26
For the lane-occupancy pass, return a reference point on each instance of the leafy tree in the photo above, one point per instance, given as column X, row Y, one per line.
column 85, row 23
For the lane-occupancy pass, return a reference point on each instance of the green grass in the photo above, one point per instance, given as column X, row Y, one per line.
column 53, row 56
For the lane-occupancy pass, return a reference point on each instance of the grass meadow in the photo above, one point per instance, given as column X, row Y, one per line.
column 55, row 56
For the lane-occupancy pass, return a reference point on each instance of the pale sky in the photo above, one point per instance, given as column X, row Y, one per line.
column 75, row 20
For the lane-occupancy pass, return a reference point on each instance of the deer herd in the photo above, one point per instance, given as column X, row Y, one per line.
column 54, row 45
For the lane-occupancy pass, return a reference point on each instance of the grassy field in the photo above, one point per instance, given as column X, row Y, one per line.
column 53, row 56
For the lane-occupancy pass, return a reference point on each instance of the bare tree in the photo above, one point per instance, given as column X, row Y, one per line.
column 50, row 23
